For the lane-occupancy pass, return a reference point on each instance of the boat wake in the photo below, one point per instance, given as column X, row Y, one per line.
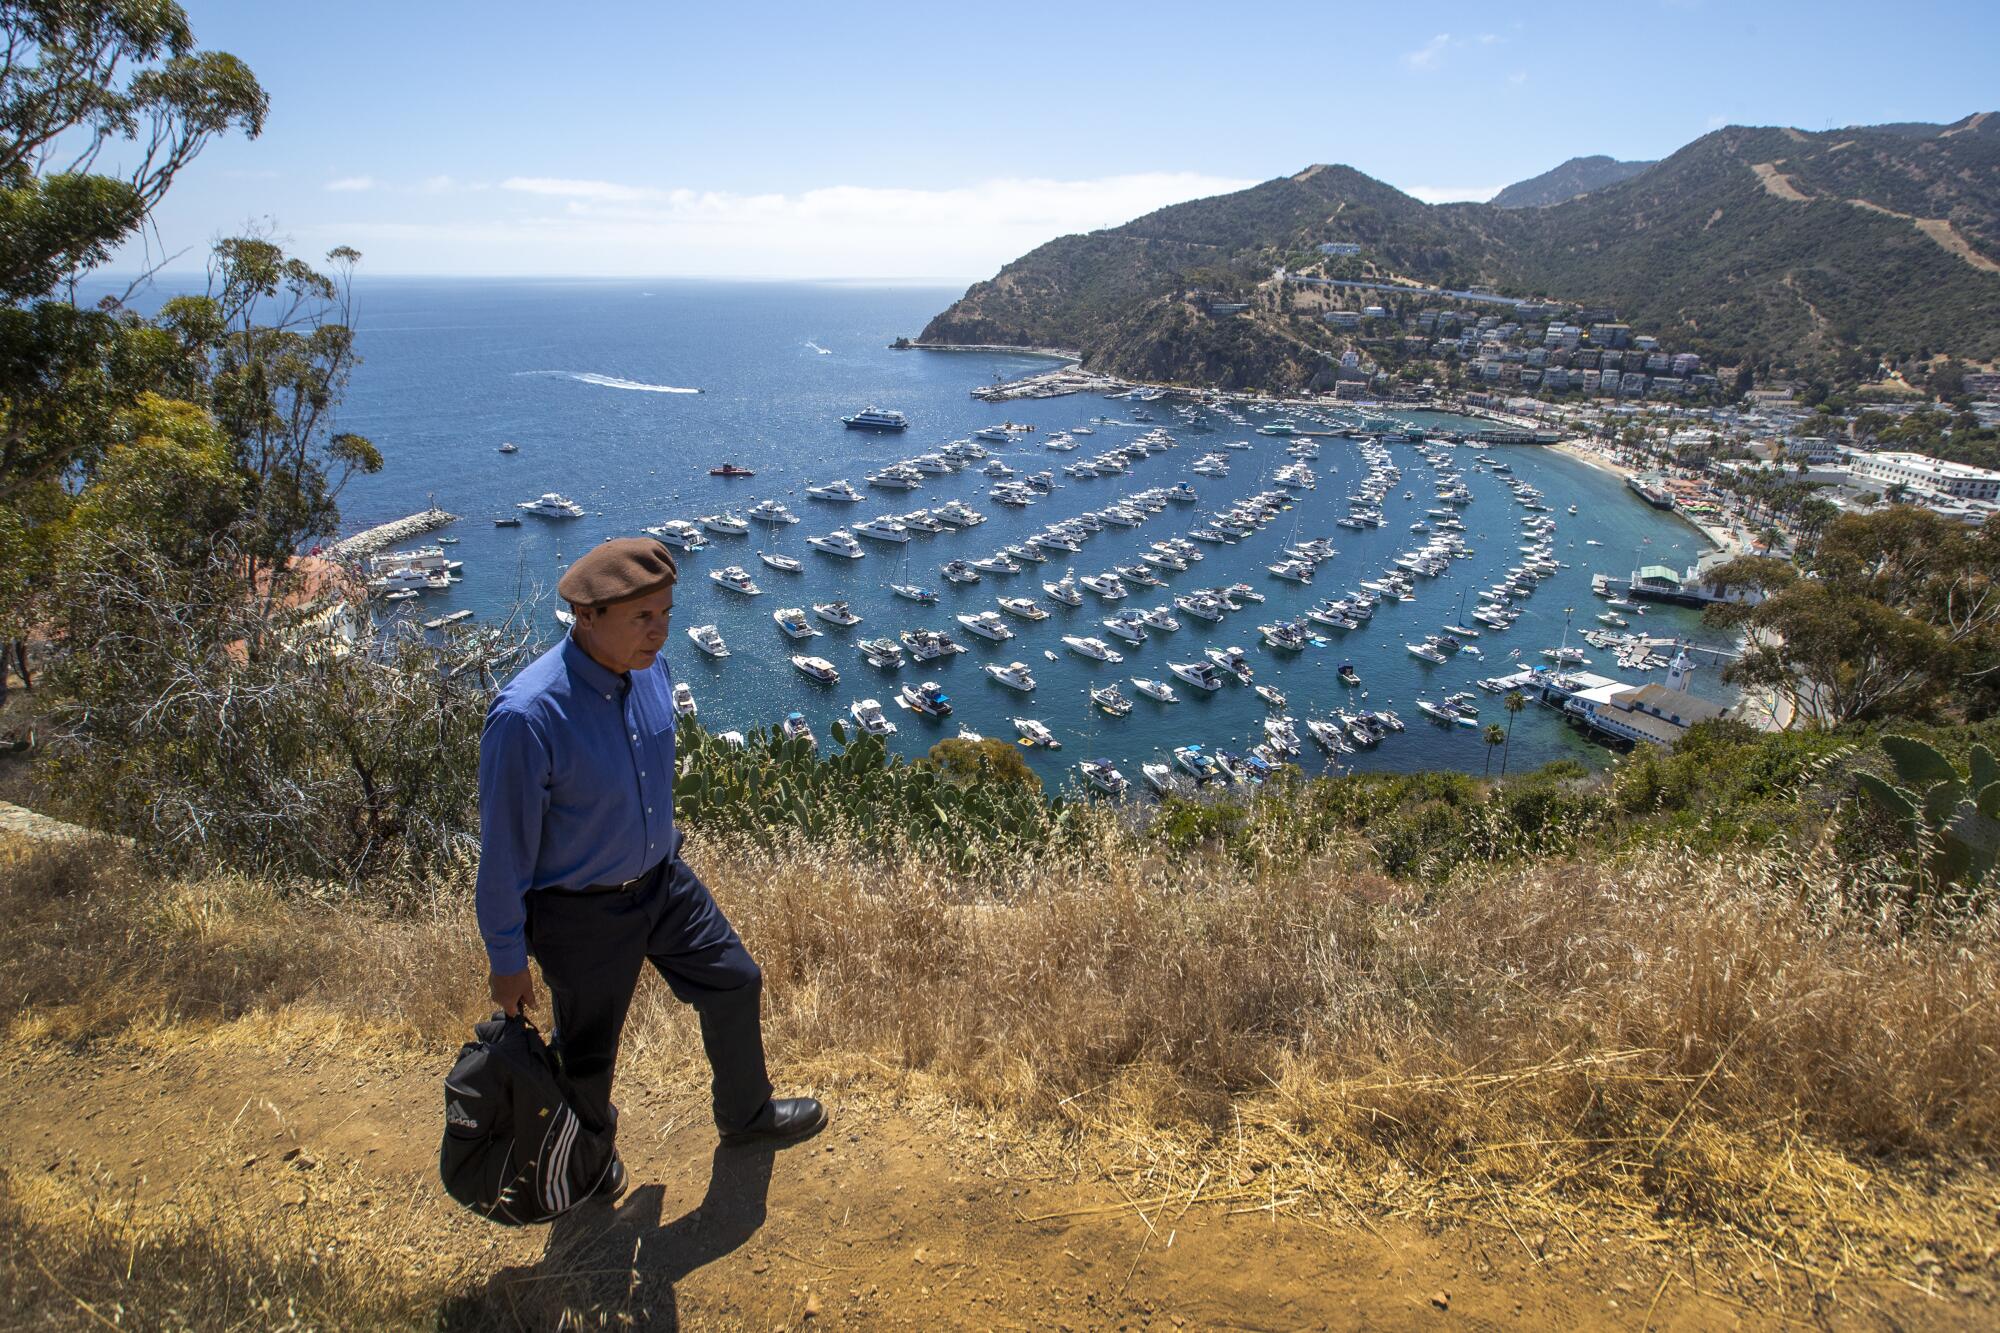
column 610, row 381
column 823, row 351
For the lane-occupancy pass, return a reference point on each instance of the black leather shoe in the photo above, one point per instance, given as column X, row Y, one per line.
column 783, row 1120
column 613, row 1183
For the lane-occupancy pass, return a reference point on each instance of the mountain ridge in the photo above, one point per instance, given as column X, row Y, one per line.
column 1750, row 243
column 1578, row 176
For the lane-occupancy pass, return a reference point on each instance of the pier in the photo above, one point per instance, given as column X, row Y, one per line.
column 367, row 543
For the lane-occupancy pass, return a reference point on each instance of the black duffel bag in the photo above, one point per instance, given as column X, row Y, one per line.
column 515, row 1149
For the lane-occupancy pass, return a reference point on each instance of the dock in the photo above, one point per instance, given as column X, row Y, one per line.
column 390, row 534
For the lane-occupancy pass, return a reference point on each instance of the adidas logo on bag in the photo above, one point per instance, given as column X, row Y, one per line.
column 456, row 1114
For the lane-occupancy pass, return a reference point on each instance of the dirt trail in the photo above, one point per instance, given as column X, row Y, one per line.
column 886, row 1220
column 1778, row 183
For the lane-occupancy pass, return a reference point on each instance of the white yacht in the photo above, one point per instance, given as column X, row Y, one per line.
column 786, row 564
column 551, row 505
column 1024, row 607
column 895, row 479
column 1108, row 586
column 997, row 563
column 838, row 542
column 796, row 728
column 726, row 523
column 987, row 625
column 792, row 620
column 1097, row 650
column 679, row 532
column 736, row 579
column 884, row 653
column 1202, row 675
column 883, row 529
column 709, row 639
column 1132, row 630
column 1015, row 675
column 1107, row 779
column 928, row 698
column 835, row 613
column 1064, row 589
column 772, row 511
column 839, row 491
column 957, row 571
column 1112, row 700
column 683, row 700
column 818, row 668
column 868, row 715
column 1155, row 689
column 926, row 645
column 1034, row 734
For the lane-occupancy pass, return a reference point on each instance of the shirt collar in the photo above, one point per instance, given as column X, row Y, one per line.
column 592, row 672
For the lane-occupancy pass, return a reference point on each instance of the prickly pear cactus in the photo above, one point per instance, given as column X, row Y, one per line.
column 1953, row 817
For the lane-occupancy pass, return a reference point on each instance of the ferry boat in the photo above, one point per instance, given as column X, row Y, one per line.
column 876, row 418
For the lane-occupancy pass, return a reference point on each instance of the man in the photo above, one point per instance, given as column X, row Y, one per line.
column 580, row 861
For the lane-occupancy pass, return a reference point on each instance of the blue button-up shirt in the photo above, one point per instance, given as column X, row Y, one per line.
column 576, row 787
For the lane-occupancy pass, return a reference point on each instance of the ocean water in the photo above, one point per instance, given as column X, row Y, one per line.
column 593, row 380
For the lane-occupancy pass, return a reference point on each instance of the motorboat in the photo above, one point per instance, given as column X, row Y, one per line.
column 683, row 700
column 1128, row 627
column 926, row 645
column 1348, row 675
column 836, row 613
column 509, row 447
column 730, row 470
column 792, row 620
column 839, row 542
column 885, row 653
column 997, row 563
column 772, row 511
column 1034, row 734
column 1105, row 778
column 1155, row 689
column 796, row 728
column 736, row 579
column 1159, row 617
column 896, row 479
column 1112, row 700
column 1107, row 586
column 1200, row 765
column 1096, row 650
column 709, row 639
column 725, row 523
column 678, row 532
column 818, row 668
column 507, row 521
column 551, row 504
column 1242, row 592
column 1271, row 696
column 784, row 564
column 1202, row 675
column 839, row 491
column 1064, row 590
column 1327, row 736
column 1426, row 652
column 922, row 596
column 957, row 571
column 1285, row 634
column 1027, row 608
column 882, row 528
column 868, row 715
column 928, row 698
column 1233, row 660
column 1159, row 777
column 987, row 625
column 1015, row 675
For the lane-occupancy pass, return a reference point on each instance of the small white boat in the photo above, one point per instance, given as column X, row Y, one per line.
column 987, row 625
column 1155, row 689
column 796, row 728
column 709, row 639
column 726, row 523
column 1105, row 778
column 1024, row 607
column 792, row 620
column 922, row 596
column 736, row 579
column 884, row 653
column 868, row 715
column 928, row 698
column 838, row 542
column 1015, row 675
column 818, row 668
column 1034, row 734
column 1202, row 675
column 839, row 491
column 1064, row 590
column 784, row 564
column 1097, row 650
column 679, row 533
column 772, row 511
column 683, row 700
column 835, row 613
column 1112, row 700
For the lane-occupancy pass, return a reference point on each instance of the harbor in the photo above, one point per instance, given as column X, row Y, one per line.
column 393, row 533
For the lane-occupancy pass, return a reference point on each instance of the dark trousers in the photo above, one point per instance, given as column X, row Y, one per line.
column 590, row 946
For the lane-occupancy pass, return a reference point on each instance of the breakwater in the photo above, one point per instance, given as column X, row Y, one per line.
column 370, row 541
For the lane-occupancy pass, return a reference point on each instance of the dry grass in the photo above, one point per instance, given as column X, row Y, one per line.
column 1711, row 1058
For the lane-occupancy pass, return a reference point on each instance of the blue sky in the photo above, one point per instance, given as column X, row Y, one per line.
column 909, row 141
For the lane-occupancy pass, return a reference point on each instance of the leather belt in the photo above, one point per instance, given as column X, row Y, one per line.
column 636, row 881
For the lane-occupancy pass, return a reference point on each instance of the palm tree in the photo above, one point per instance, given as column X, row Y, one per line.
column 1494, row 736
column 1515, row 702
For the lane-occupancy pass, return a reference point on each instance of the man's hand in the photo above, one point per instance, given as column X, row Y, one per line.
column 514, row 993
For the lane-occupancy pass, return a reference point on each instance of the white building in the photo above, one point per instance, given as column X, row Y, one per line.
column 1921, row 472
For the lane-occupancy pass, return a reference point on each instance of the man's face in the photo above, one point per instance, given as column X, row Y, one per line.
column 628, row 635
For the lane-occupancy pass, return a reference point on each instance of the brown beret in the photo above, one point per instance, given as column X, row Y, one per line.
column 620, row 569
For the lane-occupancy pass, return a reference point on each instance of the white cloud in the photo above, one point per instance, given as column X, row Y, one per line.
column 1489, row 38
column 352, row 184
column 1426, row 56
column 1518, row 77
column 611, row 227
column 1452, row 194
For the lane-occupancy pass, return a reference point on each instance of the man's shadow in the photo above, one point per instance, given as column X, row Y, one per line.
column 625, row 1260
